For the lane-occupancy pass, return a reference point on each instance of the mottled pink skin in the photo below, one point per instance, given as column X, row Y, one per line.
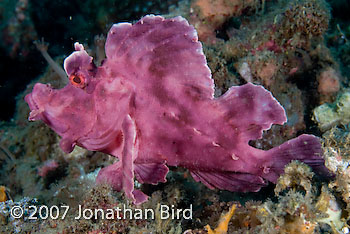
column 151, row 104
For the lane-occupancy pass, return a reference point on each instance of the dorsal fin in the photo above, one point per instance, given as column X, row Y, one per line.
column 160, row 50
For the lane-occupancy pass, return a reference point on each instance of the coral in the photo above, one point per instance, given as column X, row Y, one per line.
column 338, row 140
column 343, row 107
column 326, row 116
column 337, row 158
column 295, row 174
column 267, row 72
column 103, row 197
column 303, row 20
column 292, row 214
column 328, row 83
column 3, row 194
column 223, row 222
column 342, row 184
column 328, row 205
column 221, row 75
column 300, row 213
column 262, row 68
column 295, row 212
column 245, row 72
column 330, row 115
column 209, row 15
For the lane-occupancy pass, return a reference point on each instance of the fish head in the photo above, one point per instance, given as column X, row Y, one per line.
column 88, row 111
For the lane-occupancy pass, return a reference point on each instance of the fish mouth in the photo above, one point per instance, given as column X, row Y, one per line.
column 34, row 109
column 35, row 100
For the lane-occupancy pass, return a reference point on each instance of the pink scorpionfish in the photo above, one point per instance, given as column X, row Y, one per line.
column 151, row 104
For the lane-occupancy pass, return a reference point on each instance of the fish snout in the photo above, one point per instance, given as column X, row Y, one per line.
column 37, row 99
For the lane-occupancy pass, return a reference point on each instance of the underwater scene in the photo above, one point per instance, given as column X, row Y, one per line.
column 175, row 117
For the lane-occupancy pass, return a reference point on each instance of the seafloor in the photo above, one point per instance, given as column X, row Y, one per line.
column 297, row 49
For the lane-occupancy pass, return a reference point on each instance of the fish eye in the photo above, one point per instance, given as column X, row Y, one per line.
column 77, row 80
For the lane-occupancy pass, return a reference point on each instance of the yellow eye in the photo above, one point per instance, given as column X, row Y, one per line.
column 77, row 80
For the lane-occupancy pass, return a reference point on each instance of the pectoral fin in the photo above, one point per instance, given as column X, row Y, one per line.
column 129, row 155
column 121, row 174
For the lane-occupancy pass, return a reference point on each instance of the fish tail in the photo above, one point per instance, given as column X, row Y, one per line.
column 305, row 148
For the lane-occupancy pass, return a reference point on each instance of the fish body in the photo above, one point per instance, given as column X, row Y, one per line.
column 151, row 104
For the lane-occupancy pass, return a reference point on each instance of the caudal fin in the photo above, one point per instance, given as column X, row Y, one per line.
column 305, row 148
